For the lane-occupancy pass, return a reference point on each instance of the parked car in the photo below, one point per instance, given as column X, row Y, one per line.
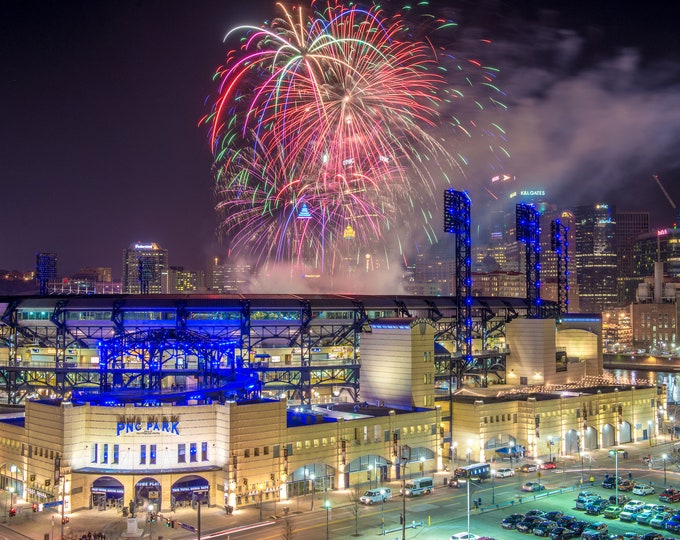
column 626, row 485
column 548, row 465
column 596, row 507
column 527, row 524
column 464, row 536
column 562, row 533
column 554, row 515
column 646, row 514
column 670, row 495
column 591, row 534
column 643, row 489
column 652, row 536
column 600, row 526
column 622, row 499
column 612, row 511
column 579, row 526
column 534, row 513
column 673, row 523
column 660, row 519
column 608, row 482
column 631, row 510
column 544, row 528
column 585, row 498
column 532, row 486
column 511, row 521
column 503, row 472
column 528, row 467
column 566, row 521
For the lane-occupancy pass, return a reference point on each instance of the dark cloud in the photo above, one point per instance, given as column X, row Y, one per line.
column 99, row 144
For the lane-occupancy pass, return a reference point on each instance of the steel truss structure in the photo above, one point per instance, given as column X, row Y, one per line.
column 528, row 229
column 135, row 341
column 559, row 243
column 457, row 222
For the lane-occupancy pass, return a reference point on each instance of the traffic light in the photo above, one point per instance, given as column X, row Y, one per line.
column 12, row 511
column 34, row 507
column 172, row 523
column 65, row 520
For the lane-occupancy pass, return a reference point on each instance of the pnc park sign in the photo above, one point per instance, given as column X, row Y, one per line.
column 152, row 424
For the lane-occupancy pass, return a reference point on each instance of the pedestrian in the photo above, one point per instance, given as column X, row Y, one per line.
column 592, row 480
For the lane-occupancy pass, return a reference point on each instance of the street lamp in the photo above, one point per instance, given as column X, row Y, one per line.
column 312, row 477
column 13, row 469
column 581, row 454
column 382, row 511
column 493, row 486
column 672, row 419
column 151, row 520
column 422, row 466
column 467, row 484
column 10, row 497
column 664, row 457
column 327, row 504
column 616, row 474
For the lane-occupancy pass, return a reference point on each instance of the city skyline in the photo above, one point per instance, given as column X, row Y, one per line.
column 101, row 144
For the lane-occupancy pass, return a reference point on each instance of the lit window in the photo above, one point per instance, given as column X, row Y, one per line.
column 193, row 457
column 152, row 454
column 181, row 453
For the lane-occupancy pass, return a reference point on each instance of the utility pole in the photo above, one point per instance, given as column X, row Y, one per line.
column 404, row 457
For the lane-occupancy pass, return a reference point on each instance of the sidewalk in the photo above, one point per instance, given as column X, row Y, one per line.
column 46, row 525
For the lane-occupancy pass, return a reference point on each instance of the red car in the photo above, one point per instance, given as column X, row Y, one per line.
column 548, row 465
column 670, row 495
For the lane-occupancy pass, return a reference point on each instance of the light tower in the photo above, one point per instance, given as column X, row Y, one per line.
column 527, row 229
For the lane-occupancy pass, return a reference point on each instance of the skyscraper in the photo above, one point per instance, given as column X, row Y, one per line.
column 45, row 270
column 629, row 225
column 145, row 269
column 663, row 246
column 596, row 257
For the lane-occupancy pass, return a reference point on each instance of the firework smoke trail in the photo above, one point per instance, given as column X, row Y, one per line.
column 326, row 129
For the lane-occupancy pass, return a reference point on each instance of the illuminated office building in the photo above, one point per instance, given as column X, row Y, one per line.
column 629, row 226
column 145, row 269
column 596, row 261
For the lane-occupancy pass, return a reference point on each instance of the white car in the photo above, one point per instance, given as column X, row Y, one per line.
column 502, row 473
column 464, row 536
column 643, row 489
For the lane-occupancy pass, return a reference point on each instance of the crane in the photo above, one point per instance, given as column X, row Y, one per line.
column 670, row 200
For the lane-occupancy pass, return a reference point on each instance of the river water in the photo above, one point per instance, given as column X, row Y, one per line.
column 638, row 376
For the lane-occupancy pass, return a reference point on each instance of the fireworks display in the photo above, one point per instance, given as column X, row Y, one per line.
column 334, row 132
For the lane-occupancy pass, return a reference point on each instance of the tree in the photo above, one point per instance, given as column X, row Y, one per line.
column 288, row 532
column 354, row 495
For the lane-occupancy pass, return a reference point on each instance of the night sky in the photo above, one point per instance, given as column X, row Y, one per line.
column 101, row 100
